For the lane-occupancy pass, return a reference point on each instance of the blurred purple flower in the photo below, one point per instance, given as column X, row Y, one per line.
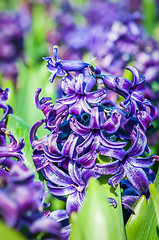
column 13, row 28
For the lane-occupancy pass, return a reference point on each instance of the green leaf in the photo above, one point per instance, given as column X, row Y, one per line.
column 7, row 233
column 18, row 127
column 76, row 231
column 96, row 219
column 116, row 213
column 155, row 198
column 110, row 192
column 150, row 15
column 148, row 227
column 29, row 80
column 136, row 218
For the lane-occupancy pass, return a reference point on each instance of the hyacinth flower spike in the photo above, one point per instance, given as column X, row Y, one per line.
column 60, row 68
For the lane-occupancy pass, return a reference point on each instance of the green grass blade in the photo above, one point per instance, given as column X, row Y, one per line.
column 7, row 233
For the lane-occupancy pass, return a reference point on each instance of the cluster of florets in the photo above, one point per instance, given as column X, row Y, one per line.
column 90, row 135
column 111, row 32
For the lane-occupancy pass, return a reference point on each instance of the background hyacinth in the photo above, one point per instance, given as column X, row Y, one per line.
column 79, row 156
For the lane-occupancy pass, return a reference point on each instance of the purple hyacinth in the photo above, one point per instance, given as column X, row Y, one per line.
column 83, row 131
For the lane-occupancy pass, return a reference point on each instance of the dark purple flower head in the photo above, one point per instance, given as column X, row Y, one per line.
column 87, row 127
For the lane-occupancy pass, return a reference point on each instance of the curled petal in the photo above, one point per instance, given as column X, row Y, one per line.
column 59, row 215
column 60, row 191
column 67, row 100
column 129, row 201
column 119, row 85
column 33, row 130
column 122, row 86
column 112, row 124
column 87, row 174
column 96, row 97
column 107, row 143
column 86, row 108
column 113, row 153
column 144, row 162
column 57, row 176
column 135, row 74
column 74, row 173
column 53, row 75
column 72, row 204
column 139, row 142
column 94, row 119
column 113, row 181
column 151, row 107
column 87, row 142
column 53, row 158
column 76, row 108
column 90, row 83
column 137, row 177
column 137, row 97
column 78, row 128
column 7, row 109
column 87, row 160
column 52, row 144
column 46, row 224
column 36, row 98
column 40, row 162
column 73, row 65
column 69, row 146
column 140, row 87
column 79, row 84
column 145, row 119
column 107, row 168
